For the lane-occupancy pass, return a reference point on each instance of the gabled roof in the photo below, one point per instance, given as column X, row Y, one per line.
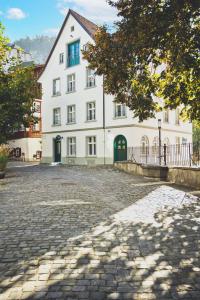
column 87, row 25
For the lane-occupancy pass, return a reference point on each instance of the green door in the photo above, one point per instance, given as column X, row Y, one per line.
column 120, row 148
column 57, row 150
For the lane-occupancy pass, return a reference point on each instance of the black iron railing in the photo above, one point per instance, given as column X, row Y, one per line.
column 171, row 155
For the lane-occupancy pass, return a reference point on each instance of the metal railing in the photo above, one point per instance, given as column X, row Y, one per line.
column 171, row 155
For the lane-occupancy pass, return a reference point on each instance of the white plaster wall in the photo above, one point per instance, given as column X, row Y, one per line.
column 29, row 146
column 81, row 96
column 128, row 126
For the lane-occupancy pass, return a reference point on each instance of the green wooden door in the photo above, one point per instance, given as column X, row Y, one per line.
column 57, row 151
column 120, row 148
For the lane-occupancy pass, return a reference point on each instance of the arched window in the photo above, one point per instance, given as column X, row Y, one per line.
column 155, row 146
column 167, row 143
column 144, row 145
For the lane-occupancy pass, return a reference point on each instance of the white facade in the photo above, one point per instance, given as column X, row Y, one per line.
column 27, row 141
column 69, row 86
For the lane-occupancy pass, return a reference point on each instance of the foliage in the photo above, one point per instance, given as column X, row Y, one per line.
column 196, row 132
column 3, row 47
column 18, row 89
column 4, row 155
column 155, row 51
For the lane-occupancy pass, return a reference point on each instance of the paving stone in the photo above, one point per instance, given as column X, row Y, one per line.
column 60, row 238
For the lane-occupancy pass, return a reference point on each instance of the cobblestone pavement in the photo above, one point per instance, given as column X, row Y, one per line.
column 59, row 238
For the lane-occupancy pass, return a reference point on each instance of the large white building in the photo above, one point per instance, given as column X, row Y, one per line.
column 82, row 125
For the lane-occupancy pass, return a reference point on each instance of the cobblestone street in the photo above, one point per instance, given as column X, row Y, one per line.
column 62, row 237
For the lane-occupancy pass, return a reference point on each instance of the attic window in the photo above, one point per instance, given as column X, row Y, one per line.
column 72, row 28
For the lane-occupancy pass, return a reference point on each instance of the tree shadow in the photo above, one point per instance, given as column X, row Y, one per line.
column 123, row 260
column 44, row 229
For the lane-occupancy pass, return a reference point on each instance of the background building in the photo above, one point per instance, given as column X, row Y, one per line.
column 82, row 125
column 26, row 143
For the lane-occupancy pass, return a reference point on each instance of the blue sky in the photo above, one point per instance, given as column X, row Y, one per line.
column 23, row 18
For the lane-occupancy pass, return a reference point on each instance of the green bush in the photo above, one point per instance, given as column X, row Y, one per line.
column 4, row 155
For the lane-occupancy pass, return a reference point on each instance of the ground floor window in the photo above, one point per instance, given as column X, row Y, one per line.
column 144, row 145
column 71, row 146
column 56, row 116
column 91, row 146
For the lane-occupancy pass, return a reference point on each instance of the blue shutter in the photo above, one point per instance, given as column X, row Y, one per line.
column 74, row 54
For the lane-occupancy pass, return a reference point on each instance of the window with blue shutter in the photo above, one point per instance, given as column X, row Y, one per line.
column 74, row 54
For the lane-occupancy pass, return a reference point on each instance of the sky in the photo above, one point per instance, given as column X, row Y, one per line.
column 23, row 18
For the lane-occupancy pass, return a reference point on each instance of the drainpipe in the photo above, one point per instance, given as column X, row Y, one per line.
column 104, row 123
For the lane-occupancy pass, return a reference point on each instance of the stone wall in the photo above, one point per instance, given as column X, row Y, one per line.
column 180, row 175
column 185, row 176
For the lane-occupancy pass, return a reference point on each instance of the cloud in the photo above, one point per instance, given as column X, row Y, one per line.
column 51, row 31
column 15, row 14
column 96, row 10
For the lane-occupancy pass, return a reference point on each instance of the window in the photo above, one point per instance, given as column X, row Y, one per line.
column 72, row 28
column 184, row 140
column 120, row 110
column 36, row 107
column 178, row 145
column 56, row 87
column 71, row 146
column 166, row 116
column 61, row 58
column 90, row 75
column 37, row 126
column 56, row 116
column 91, row 146
column 177, row 117
column 73, row 54
column 86, row 47
column 71, row 114
column 91, row 111
column 167, row 143
column 155, row 146
column 71, row 83
column 144, row 148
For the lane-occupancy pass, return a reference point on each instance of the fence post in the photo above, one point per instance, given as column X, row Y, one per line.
column 146, row 154
column 165, row 154
column 190, row 155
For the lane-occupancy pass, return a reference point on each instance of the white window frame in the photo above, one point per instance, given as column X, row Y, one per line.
column 91, row 144
column 91, row 111
column 155, row 146
column 57, row 117
column 56, row 87
column 71, row 114
column 90, row 78
column 71, row 83
column 119, row 107
column 71, row 146
column 166, row 116
column 144, row 145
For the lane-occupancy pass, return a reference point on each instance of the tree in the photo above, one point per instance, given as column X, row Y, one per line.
column 154, row 52
column 196, row 133
column 18, row 89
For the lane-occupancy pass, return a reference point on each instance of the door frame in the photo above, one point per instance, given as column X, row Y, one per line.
column 55, row 140
column 115, row 148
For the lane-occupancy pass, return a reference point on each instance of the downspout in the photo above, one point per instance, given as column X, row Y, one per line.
column 104, row 123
